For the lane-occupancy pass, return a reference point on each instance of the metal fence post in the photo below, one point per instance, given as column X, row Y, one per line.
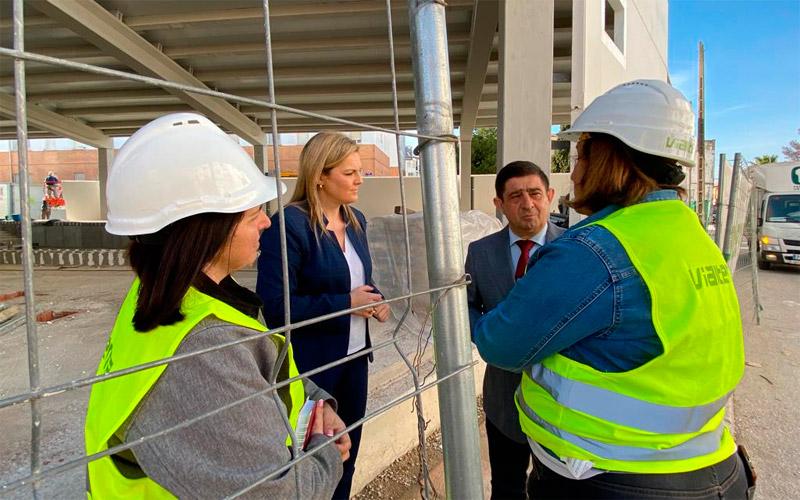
column 720, row 200
column 457, row 405
column 27, row 240
column 726, row 243
column 753, row 244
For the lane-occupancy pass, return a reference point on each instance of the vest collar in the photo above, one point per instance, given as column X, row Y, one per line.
column 230, row 292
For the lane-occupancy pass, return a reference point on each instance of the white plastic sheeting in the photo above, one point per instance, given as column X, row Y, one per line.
column 386, row 242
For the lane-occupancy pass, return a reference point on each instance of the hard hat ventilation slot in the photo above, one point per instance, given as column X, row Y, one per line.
column 196, row 122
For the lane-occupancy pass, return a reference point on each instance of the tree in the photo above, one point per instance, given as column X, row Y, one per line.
column 484, row 151
column 560, row 161
column 792, row 151
column 760, row 160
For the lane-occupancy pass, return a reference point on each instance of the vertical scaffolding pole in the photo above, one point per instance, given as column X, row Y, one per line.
column 462, row 462
column 701, row 131
column 27, row 240
column 720, row 200
column 726, row 242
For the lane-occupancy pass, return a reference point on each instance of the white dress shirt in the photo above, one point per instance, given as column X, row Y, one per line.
column 516, row 251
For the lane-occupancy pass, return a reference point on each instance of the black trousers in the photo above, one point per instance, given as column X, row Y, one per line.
column 509, row 462
column 726, row 480
column 348, row 384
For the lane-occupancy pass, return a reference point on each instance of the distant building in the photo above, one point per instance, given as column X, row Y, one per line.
column 74, row 161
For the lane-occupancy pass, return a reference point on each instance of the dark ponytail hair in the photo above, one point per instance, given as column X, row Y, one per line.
column 169, row 261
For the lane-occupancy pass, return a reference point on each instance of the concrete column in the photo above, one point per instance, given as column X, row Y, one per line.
column 260, row 156
column 466, row 171
column 525, row 98
column 578, row 82
column 104, row 158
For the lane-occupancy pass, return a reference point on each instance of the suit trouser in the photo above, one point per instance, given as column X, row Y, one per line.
column 726, row 480
column 348, row 384
column 509, row 462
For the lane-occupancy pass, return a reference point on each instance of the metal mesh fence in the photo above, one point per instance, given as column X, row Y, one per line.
column 447, row 280
column 740, row 235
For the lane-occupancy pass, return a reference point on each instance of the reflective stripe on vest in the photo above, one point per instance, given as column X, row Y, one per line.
column 625, row 410
column 667, row 415
column 703, row 444
column 112, row 401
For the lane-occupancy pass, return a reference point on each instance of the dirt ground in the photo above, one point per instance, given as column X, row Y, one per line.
column 402, row 480
column 766, row 402
column 69, row 348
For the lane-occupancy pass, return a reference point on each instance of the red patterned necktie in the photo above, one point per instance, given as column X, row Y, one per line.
column 525, row 253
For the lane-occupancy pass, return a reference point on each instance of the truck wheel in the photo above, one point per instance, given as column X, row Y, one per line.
column 762, row 264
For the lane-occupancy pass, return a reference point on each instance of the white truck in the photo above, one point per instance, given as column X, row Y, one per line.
column 778, row 195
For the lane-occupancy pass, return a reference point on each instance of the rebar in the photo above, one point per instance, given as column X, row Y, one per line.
column 276, row 142
column 83, row 382
column 421, row 424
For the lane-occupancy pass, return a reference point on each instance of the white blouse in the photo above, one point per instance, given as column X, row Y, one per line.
column 358, row 325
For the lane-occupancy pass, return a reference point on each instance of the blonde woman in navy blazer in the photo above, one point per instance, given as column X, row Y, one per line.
column 329, row 270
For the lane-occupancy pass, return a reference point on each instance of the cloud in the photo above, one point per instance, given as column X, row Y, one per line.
column 685, row 81
column 680, row 78
column 730, row 109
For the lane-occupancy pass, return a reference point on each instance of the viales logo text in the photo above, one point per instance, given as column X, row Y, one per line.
column 710, row 276
column 680, row 144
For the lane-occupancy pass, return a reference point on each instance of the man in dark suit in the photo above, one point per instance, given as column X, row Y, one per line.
column 495, row 262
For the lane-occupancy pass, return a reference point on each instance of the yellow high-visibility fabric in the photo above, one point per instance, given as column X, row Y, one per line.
column 112, row 401
column 695, row 314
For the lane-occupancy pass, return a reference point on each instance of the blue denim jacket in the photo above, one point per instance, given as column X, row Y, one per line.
column 582, row 298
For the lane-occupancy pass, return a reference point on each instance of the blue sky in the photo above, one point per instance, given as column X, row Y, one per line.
column 752, row 70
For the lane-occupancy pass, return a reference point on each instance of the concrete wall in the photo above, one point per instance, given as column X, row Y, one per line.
column 599, row 64
column 378, row 195
column 483, row 191
column 82, row 200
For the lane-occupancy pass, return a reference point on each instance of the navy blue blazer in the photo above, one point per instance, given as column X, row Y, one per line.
column 319, row 283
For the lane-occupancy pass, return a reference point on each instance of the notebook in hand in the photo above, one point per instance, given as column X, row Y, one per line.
column 305, row 422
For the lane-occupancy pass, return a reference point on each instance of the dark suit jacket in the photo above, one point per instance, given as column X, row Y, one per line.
column 319, row 283
column 489, row 265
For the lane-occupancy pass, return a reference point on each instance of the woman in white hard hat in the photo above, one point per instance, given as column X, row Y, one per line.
column 626, row 328
column 191, row 199
column 330, row 270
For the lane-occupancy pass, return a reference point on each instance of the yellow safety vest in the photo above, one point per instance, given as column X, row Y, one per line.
column 666, row 416
column 113, row 401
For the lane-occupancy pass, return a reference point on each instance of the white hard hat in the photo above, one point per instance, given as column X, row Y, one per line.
column 648, row 115
column 177, row 166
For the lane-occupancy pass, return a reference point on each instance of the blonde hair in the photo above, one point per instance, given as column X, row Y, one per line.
column 321, row 153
